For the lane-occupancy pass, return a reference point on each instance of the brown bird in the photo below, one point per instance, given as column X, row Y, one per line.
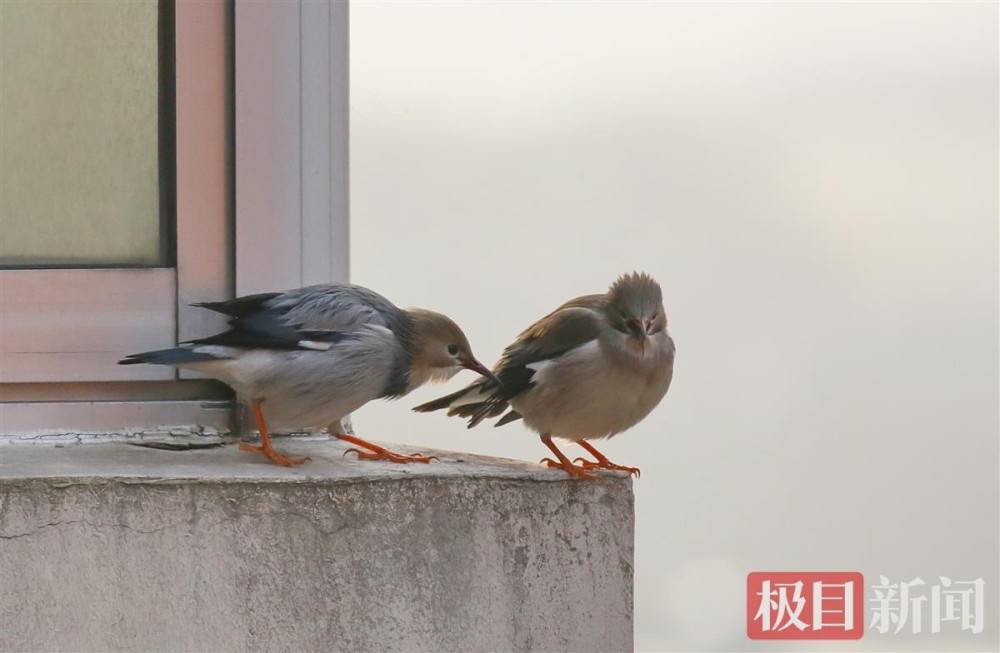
column 594, row 367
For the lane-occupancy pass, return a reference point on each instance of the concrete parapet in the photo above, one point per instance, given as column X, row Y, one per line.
column 115, row 547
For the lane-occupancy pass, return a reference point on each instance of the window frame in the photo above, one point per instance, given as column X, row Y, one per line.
column 262, row 205
column 292, row 144
column 126, row 310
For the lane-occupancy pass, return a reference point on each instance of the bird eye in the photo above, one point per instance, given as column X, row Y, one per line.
column 452, row 350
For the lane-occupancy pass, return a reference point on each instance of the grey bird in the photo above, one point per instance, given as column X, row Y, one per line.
column 310, row 357
column 594, row 367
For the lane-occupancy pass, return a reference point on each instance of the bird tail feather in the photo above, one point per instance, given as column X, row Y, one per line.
column 446, row 401
column 175, row 356
column 474, row 402
column 512, row 416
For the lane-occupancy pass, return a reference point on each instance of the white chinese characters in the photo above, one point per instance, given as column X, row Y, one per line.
column 777, row 610
column 806, row 604
column 896, row 604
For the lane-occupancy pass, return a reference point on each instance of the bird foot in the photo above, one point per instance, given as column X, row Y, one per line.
column 607, row 464
column 274, row 456
column 391, row 456
column 569, row 468
column 372, row 451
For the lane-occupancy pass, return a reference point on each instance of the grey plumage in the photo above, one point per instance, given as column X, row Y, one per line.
column 593, row 368
column 314, row 355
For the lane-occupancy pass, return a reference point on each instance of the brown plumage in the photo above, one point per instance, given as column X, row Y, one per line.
column 592, row 368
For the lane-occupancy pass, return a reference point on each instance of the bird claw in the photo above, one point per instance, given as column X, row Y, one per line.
column 274, row 456
column 607, row 464
column 390, row 456
column 569, row 468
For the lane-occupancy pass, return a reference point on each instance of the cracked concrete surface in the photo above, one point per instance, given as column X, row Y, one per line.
column 60, row 437
column 114, row 547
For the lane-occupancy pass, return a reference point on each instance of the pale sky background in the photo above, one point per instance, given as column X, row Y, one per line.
column 816, row 188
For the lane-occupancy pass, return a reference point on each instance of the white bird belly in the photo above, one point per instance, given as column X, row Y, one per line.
column 592, row 392
column 306, row 389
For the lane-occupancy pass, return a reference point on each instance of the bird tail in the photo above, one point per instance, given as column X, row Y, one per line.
column 447, row 401
column 477, row 412
column 475, row 402
column 175, row 356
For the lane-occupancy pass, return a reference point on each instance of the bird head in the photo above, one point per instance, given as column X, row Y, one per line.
column 635, row 307
column 440, row 349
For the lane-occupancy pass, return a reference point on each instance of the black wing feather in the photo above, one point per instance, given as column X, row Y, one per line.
column 257, row 321
column 571, row 325
column 557, row 333
column 241, row 306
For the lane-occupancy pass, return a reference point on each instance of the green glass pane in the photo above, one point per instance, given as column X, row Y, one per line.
column 79, row 133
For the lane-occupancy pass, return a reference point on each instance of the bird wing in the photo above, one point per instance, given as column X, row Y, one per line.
column 575, row 323
column 315, row 317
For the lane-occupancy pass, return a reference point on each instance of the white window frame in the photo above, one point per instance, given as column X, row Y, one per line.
column 291, row 144
column 59, row 337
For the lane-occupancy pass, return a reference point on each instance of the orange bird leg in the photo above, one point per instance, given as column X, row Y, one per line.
column 602, row 461
column 564, row 463
column 376, row 452
column 265, row 441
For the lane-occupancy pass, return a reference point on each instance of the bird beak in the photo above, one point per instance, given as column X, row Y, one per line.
column 479, row 368
column 641, row 330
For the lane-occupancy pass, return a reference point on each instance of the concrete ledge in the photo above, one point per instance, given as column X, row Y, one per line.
column 115, row 547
